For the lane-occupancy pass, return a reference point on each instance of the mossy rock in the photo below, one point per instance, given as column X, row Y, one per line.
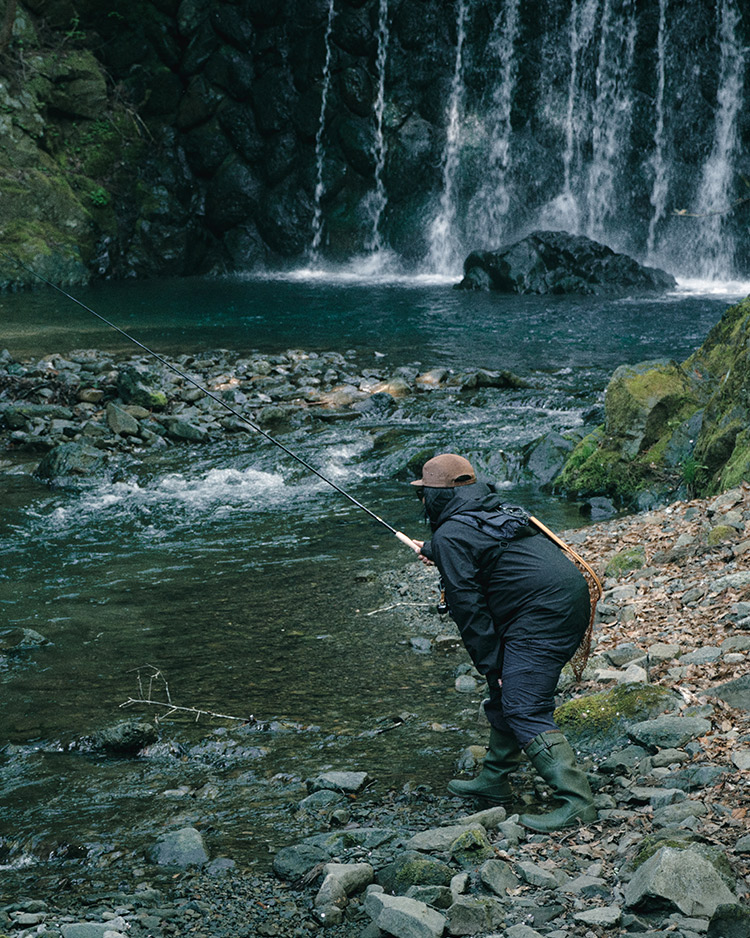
column 633, row 558
column 413, row 869
column 597, row 723
column 672, row 429
column 683, row 840
column 642, row 399
column 50, row 251
column 721, row 533
column 737, row 468
column 471, row 849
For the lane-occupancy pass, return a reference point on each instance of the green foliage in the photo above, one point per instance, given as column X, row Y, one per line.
column 99, row 197
column 73, row 33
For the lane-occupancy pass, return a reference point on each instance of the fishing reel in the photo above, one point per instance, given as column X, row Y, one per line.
column 442, row 606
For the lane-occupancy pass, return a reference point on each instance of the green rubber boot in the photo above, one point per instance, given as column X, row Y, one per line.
column 553, row 758
column 492, row 784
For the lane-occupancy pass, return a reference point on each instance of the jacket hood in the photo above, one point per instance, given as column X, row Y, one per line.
column 441, row 504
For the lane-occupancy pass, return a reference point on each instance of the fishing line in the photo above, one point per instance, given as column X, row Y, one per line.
column 402, row 537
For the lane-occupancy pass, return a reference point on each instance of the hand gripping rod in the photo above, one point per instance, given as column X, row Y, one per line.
column 402, row 537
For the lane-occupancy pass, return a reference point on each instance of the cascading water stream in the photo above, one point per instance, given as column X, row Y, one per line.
column 443, row 251
column 657, row 162
column 611, row 117
column 378, row 199
column 491, row 203
column 564, row 210
column 714, row 251
column 317, row 224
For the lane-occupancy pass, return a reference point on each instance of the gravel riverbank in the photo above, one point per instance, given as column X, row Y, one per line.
column 661, row 720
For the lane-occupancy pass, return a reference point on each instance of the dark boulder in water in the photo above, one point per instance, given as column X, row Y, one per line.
column 127, row 738
column 557, row 262
column 68, row 463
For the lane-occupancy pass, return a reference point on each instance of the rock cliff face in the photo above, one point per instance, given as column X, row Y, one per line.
column 672, row 429
column 166, row 137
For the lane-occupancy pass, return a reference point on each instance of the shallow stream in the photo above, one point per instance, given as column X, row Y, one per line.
column 246, row 582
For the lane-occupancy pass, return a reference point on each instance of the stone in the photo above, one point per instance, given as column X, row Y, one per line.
column 663, row 651
column 557, row 262
column 465, row 684
column 182, row 848
column 294, row 862
column 624, row 760
column 69, row 462
column 673, row 814
column 127, row 738
column 603, row 916
column 85, row 929
column 669, row 757
column 338, row 781
column 474, row 915
column 441, row 838
column 535, row 875
column 523, row 931
column 121, row 422
column 471, row 847
column 705, row 655
column 498, row 876
column 439, row 897
column 489, row 818
column 681, row 878
column 403, row 917
column 135, row 386
column 668, row 732
column 729, row 921
column 340, row 881
column 185, row 430
column 623, row 654
column 736, row 693
column 741, row 759
column 599, row 723
column 19, row 639
column 410, row 869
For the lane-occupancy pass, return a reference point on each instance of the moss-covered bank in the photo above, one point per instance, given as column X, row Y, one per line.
column 672, row 429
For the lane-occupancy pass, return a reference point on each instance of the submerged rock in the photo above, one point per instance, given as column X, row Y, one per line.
column 558, row 262
column 182, row 848
column 68, row 463
column 127, row 738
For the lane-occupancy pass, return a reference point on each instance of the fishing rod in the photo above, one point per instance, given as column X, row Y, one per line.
column 402, row 537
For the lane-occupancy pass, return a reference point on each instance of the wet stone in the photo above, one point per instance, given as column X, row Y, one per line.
column 338, row 781
column 182, row 848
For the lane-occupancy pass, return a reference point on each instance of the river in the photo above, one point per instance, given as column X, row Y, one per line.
column 247, row 583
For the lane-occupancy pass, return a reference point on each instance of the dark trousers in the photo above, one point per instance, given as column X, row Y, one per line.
column 530, row 670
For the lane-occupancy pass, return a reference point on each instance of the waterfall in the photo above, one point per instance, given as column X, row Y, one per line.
column 377, row 200
column 564, row 210
column 715, row 253
column 611, row 118
column 443, row 240
column 657, row 162
column 317, row 223
column 490, row 205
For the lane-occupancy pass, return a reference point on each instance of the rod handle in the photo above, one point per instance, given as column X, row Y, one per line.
column 408, row 541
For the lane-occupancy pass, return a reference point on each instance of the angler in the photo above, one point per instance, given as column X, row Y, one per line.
column 523, row 609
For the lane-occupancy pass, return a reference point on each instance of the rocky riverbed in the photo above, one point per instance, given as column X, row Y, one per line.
column 661, row 721
column 85, row 409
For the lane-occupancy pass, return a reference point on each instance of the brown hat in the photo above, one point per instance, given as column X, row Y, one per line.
column 446, row 471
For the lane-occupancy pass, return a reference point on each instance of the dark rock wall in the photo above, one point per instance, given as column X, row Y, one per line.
column 231, row 167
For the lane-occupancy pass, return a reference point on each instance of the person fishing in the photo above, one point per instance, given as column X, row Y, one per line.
column 522, row 608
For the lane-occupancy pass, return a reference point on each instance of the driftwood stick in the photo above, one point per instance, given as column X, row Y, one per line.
column 175, row 708
column 393, row 606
